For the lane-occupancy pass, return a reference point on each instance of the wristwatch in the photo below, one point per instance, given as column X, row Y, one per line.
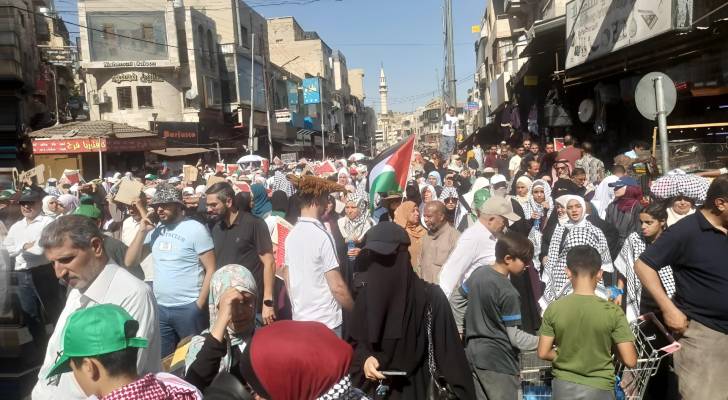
column 268, row 303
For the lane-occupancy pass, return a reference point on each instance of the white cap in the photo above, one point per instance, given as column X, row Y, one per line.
column 497, row 178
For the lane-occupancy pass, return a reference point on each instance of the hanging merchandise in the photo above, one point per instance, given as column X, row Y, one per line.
column 533, row 120
column 555, row 115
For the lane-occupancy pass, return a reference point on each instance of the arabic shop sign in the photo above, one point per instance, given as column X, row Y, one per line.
column 60, row 146
column 595, row 28
column 144, row 77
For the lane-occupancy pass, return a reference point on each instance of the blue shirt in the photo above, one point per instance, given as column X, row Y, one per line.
column 176, row 249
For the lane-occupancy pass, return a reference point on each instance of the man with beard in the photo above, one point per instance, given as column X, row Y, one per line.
column 184, row 261
column 241, row 238
column 439, row 242
column 75, row 246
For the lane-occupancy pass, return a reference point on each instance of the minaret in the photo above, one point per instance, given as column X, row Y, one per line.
column 383, row 91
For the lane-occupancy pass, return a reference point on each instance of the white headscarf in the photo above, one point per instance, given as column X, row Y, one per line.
column 46, row 207
column 564, row 201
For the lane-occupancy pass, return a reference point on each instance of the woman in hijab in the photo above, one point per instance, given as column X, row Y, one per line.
column 538, row 210
column 356, row 222
column 574, row 231
column 281, row 182
column 261, row 204
column 394, row 314
column 343, row 177
column 679, row 208
column 232, row 308
column 51, row 207
column 407, row 216
column 297, row 360
column 523, row 184
column 69, row 203
column 450, row 196
column 624, row 212
column 434, row 179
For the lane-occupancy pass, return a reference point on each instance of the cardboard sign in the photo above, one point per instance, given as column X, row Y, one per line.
column 38, row 173
column 129, row 191
column 214, row 179
column 289, row 157
column 190, row 173
column 219, row 167
column 72, row 176
column 232, row 168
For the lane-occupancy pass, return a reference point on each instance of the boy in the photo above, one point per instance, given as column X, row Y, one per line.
column 585, row 327
column 492, row 337
column 100, row 349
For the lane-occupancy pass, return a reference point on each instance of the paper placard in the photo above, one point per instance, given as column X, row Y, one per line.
column 214, row 179
column 38, row 173
column 129, row 191
column 190, row 173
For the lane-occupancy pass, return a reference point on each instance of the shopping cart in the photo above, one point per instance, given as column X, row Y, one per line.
column 653, row 343
column 535, row 377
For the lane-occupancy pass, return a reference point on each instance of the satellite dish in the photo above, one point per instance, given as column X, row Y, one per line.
column 644, row 95
column 191, row 94
column 586, row 110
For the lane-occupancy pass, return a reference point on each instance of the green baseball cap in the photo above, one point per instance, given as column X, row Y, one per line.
column 88, row 210
column 95, row 331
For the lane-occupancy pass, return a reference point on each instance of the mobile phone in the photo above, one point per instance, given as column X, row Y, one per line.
column 393, row 373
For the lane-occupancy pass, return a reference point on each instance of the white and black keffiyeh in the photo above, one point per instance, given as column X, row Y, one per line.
column 531, row 207
column 633, row 247
column 343, row 390
column 565, row 238
column 448, row 192
column 677, row 183
column 355, row 229
column 281, row 182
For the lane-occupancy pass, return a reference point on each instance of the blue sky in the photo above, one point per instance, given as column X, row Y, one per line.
column 405, row 35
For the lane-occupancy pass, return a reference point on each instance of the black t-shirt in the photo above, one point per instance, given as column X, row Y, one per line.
column 697, row 253
column 243, row 243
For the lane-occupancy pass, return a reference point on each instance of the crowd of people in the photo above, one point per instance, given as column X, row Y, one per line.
column 288, row 282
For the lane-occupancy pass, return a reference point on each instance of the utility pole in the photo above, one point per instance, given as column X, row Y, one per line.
column 323, row 121
column 252, row 94
column 449, row 56
column 267, row 106
column 354, row 139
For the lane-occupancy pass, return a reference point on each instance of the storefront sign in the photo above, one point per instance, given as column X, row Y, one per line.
column 288, row 158
column 146, row 77
column 179, row 132
column 595, row 28
column 283, row 116
column 58, row 55
column 135, row 144
column 61, row 146
column 127, row 64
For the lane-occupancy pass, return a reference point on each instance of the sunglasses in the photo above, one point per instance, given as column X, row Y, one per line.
column 451, row 200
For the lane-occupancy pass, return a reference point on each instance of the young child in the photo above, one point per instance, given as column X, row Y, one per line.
column 100, row 347
column 492, row 337
column 584, row 328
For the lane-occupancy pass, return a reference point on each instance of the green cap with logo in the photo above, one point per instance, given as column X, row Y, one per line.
column 95, row 331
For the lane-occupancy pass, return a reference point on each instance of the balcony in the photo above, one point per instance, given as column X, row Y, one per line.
column 482, row 73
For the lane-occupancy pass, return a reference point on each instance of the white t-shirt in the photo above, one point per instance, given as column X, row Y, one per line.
column 449, row 125
column 514, row 164
column 310, row 253
column 475, row 248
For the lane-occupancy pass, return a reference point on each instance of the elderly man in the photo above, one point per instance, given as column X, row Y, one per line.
column 184, row 261
column 438, row 244
column 75, row 247
column 476, row 246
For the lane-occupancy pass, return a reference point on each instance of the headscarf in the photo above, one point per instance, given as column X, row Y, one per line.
column 261, row 203
column 523, row 200
column 296, row 360
column 448, row 192
column 46, row 206
column 564, row 201
column 343, row 172
column 356, row 228
column 69, row 203
column 564, row 239
column 533, row 206
column 437, row 176
column 240, row 278
column 415, row 231
column 631, row 197
column 280, row 182
column 279, row 203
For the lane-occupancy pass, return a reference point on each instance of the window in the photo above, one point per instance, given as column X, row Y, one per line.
column 123, row 97
column 201, row 44
column 244, row 36
column 212, row 93
column 144, row 96
column 211, row 53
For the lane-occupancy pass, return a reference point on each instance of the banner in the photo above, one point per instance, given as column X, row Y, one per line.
column 63, row 146
column 311, row 91
column 292, row 88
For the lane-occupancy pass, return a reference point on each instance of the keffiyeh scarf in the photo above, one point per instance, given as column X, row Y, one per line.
column 633, row 247
column 564, row 239
column 448, row 192
column 280, row 182
column 356, row 228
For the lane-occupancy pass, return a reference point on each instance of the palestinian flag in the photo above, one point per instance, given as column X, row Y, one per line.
column 388, row 171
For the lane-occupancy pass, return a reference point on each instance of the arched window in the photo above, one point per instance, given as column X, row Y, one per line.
column 201, row 44
column 211, row 49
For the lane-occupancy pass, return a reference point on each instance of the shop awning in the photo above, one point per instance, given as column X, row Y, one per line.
column 181, row 151
column 545, row 36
